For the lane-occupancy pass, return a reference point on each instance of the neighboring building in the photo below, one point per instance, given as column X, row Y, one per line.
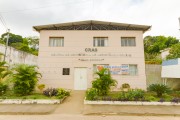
column 171, row 73
column 70, row 53
column 164, row 53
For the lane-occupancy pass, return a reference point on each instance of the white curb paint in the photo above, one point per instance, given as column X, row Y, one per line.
column 128, row 103
column 30, row 101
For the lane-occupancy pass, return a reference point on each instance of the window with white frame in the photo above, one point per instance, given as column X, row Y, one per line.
column 133, row 70
column 56, row 41
column 100, row 41
column 128, row 41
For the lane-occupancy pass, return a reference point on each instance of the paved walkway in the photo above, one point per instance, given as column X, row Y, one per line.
column 81, row 117
column 73, row 104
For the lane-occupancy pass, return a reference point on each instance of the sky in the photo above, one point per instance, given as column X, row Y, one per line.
column 21, row 15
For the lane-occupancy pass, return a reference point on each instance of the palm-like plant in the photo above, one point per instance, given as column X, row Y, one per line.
column 103, row 82
column 4, row 72
column 25, row 78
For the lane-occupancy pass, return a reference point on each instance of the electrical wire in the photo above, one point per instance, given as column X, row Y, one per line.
column 3, row 22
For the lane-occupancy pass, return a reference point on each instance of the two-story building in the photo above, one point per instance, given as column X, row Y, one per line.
column 70, row 53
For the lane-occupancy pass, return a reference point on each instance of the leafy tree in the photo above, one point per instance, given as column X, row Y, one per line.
column 103, row 82
column 25, row 78
column 174, row 52
column 33, row 42
column 12, row 38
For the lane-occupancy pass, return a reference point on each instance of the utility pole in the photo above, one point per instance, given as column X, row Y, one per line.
column 8, row 30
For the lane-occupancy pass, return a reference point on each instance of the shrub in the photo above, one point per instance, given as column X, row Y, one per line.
column 104, row 82
column 4, row 72
column 91, row 94
column 61, row 93
column 159, row 89
column 41, row 87
column 125, row 85
column 25, row 78
column 136, row 94
column 175, row 100
column 50, row 92
column 150, row 98
column 3, row 88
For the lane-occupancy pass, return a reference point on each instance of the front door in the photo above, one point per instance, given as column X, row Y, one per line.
column 80, row 78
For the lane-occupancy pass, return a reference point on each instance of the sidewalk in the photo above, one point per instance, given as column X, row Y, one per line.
column 132, row 110
column 27, row 109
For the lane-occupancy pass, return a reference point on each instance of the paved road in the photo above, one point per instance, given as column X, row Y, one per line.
column 81, row 117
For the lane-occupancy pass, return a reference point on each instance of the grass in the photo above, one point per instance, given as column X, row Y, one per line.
column 11, row 95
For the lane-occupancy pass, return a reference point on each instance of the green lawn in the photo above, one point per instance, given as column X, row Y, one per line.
column 11, row 95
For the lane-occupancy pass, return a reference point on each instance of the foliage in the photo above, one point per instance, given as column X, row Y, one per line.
column 153, row 44
column 50, row 92
column 25, row 78
column 91, row 94
column 125, row 85
column 4, row 72
column 154, row 61
column 174, row 52
column 41, row 86
column 135, row 94
column 61, row 93
column 159, row 89
column 12, row 38
column 3, row 88
column 29, row 44
column 103, row 82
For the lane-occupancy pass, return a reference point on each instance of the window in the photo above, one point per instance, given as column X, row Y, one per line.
column 128, row 41
column 133, row 69
column 66, row 71
column 56, row 42
column 100, row 41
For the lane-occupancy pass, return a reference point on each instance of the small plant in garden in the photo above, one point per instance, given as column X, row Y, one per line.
column 41, row 87
column 175, row 100
column 125, row 85
column 50, row 92
column 91, row 94
column 61, row 93
column 104, row 82
column 159, row 89
column 25, row 78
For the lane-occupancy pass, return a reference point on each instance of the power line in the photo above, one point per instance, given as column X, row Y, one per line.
column 3, row 22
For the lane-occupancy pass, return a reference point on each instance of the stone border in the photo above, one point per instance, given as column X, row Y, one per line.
column 88, row 102
column 31, row 101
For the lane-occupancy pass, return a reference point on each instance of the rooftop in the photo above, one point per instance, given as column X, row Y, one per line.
column 92, row 25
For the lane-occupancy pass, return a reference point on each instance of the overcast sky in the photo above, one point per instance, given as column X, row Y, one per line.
column 21, row 15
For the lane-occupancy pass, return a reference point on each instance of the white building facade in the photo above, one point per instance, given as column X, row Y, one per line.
column 70, row 53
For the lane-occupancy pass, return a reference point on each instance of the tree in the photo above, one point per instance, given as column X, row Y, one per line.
column 103, row 82
column 12, row 38
column 25, row 78
column 174, row 52
column 33, row 42
column 4, row 72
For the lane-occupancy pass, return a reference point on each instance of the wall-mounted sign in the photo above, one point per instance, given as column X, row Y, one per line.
column 91, row 49
column 114, row 69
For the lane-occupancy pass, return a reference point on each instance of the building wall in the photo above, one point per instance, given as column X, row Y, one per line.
column 51, row 60
column 15, row 56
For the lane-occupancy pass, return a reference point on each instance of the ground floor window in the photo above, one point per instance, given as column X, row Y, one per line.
column 66, row 71
column 133, row 70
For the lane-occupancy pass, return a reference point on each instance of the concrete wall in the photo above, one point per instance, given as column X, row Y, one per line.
column 153, row 76
column 15, row 56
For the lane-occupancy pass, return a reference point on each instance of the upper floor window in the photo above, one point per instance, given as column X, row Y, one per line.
column 100, row 41
column 128, row 41
column 56, row 41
